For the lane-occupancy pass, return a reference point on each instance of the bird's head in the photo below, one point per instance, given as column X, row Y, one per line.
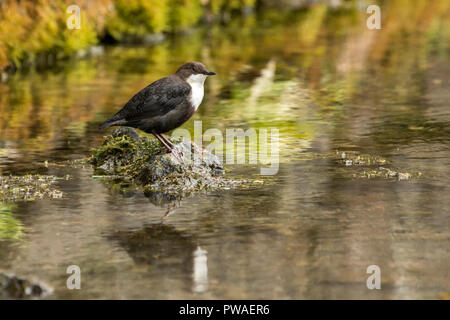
column 194, row 71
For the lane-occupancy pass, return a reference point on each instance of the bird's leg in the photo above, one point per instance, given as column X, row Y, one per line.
column 172, row 146
column 168, row 142
column 168, row 148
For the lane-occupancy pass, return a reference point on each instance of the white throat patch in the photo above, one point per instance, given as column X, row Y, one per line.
column 196, row 82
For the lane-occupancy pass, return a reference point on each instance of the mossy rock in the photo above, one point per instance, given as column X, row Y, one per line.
column 126, row 156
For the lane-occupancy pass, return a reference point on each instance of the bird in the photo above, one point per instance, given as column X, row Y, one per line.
column 164, row 104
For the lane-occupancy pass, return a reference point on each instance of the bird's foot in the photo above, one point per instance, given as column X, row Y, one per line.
column 178, row 154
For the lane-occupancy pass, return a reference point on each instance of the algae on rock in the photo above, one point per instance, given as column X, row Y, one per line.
column 144, row 161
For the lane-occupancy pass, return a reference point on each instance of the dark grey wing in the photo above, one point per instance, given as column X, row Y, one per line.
column 157, row 99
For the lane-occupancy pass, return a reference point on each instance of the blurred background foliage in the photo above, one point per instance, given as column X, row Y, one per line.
column 35, row 32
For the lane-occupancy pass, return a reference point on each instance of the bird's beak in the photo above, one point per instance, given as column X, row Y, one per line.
column 210, row 73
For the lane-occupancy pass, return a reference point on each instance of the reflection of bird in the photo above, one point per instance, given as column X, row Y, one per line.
column 165, row 104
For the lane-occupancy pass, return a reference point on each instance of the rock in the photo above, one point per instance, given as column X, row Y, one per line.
column 29, row 187
column 144, row 161
column 13, row 287
column 391, row 174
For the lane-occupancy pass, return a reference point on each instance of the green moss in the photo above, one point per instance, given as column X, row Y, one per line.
column 36, row 30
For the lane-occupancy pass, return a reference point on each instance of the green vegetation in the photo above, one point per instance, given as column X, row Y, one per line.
column 36, row 32
column 313, row 77
column 138, row 17
column 10, row 228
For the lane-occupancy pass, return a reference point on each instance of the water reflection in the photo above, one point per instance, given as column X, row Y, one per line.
column 164, row 250
column 159, row 245
column 200, row 272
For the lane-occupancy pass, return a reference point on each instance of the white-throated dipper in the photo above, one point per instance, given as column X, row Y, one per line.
column 164, row 104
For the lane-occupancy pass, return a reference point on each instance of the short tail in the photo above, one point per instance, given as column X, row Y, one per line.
column 112, row 122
